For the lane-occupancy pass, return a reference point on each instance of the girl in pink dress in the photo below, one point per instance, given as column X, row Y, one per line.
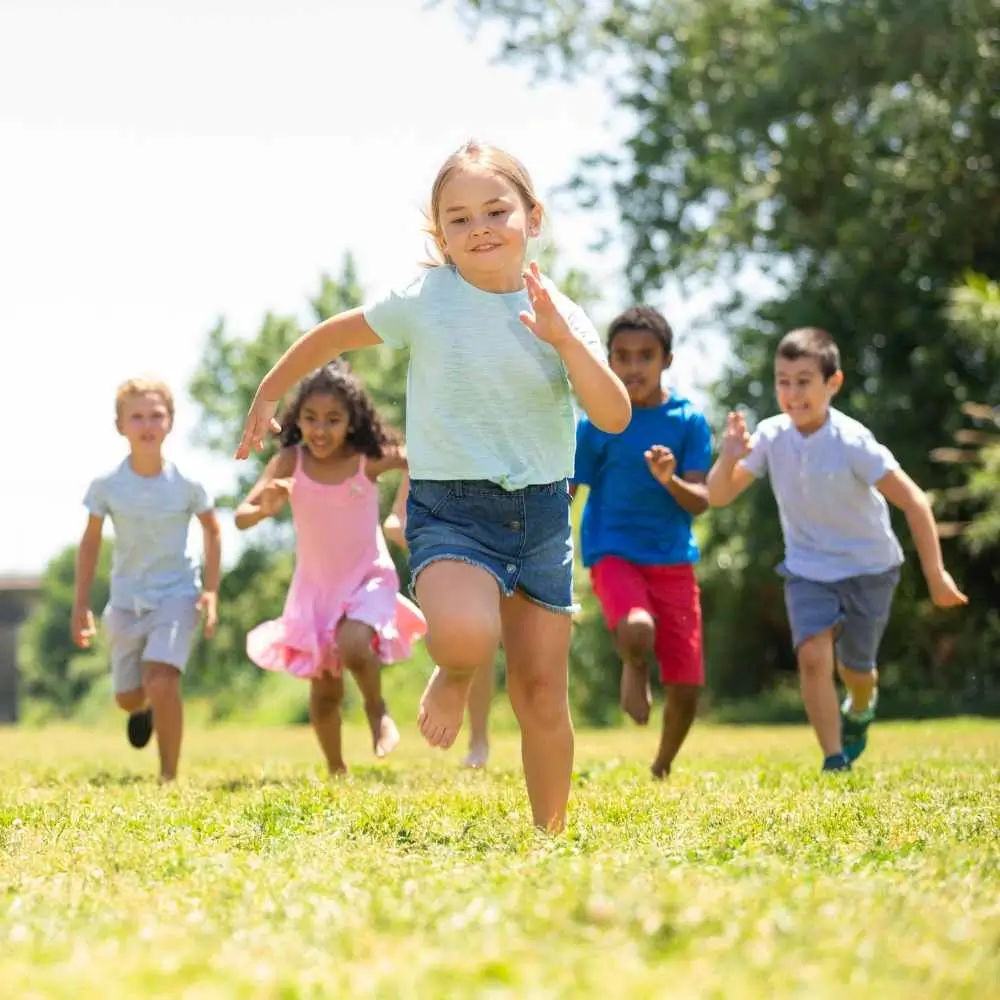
column 343, row 607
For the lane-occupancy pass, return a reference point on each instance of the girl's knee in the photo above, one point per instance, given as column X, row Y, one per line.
column 539, row 700
column 355, row 642
column 465, row 640
column 326, row 695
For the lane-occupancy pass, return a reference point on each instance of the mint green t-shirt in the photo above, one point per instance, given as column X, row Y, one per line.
column 485, row 398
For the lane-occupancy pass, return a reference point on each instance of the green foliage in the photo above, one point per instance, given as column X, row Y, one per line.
column 55, row 674
column 974, row 310
column 848, row 151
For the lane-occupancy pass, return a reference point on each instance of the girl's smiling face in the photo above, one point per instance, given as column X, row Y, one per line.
column 484, row 227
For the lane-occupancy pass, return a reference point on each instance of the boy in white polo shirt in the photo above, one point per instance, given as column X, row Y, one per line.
column 156, row 595
column 831, row 480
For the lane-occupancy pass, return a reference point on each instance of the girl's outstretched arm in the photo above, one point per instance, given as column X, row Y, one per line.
column 346, row 331
column 270, row 493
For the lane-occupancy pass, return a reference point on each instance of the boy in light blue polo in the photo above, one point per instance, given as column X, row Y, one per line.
column 156, row 594
column 831, row 480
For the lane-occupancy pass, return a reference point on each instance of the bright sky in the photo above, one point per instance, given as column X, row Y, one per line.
column 165, row 164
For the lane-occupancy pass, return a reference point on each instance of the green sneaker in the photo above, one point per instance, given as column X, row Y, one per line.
column 854, row 728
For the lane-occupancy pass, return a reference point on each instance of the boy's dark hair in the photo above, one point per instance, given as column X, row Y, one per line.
column 811, row 342
column 365, row 433
column 643, row 318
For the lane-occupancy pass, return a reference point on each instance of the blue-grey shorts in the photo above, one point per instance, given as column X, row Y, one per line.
column 856, row 608
column 520, row 537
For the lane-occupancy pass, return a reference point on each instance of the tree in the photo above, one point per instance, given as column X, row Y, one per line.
column 54, row 671
column 847, row 150
column 975, row 313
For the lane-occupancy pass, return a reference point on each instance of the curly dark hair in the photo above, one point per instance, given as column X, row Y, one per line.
column 365, row 434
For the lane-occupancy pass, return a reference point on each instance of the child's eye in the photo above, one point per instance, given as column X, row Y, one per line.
column 460, row 221
column 498, row 211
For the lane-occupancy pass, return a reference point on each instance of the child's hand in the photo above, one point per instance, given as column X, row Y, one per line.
column 736, row 440
column 208, row 605
column 945, row 592
column 82, row 627
column 259, row 421
column 544, row 321
column 274, row 496
column 661, row 463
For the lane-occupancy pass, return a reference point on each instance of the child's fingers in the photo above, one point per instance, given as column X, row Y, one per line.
column 249, row 441
column 528, row 320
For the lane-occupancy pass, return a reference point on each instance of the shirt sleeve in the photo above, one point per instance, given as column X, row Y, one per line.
column 391, row 316
column 587, row 453
column 868, row 459
column 201, row 502
column 697, row 455
column 756, row 462
column 96, row 499
column 580, row 325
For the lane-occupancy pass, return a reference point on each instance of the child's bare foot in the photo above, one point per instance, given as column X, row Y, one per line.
column 478, row 755
column 442, row 707
column 660, row 771
column 636, row 694
column 337, row 769
column 385, row 736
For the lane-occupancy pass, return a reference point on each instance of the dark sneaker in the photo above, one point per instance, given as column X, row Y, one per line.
column 836, row 762
column 140, row 728
column 854, row 730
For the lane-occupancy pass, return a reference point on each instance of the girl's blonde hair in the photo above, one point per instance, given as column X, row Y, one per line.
column 480, row 154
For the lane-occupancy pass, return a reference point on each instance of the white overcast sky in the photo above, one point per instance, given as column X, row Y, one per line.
column 165, row 164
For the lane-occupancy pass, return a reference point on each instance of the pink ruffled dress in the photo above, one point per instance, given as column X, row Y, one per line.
column 342, row 570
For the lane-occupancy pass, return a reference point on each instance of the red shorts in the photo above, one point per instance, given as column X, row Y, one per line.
column 670, row 595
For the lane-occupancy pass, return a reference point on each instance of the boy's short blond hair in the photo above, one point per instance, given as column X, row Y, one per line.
column 143, row 387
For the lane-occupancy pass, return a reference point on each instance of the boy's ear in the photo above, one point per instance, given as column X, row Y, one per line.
column 668, row 360
column 835, row 382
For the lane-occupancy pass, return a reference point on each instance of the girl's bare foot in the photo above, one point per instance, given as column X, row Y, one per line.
column 385, row 736
column 478, row 755
column 442, row 707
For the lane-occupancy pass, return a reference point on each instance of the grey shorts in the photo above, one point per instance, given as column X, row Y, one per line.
column 856, row 608
column 163, row 635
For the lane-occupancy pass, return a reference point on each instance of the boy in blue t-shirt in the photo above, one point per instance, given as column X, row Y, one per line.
column 831, row 479
column 646, row 485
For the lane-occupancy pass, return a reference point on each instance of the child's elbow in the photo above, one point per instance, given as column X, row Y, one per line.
column 615, row 419
column 716, row 498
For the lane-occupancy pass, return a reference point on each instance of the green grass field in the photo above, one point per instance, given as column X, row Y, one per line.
column 748, row 875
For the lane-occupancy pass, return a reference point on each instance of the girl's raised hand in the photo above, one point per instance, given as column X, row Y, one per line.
column 544, row 321
column 260, row 420
column 274, row 496
column 736, row 440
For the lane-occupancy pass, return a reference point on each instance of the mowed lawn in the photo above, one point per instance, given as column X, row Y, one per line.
column 749, row 874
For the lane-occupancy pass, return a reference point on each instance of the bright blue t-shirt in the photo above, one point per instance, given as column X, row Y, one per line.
column 628, row 513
